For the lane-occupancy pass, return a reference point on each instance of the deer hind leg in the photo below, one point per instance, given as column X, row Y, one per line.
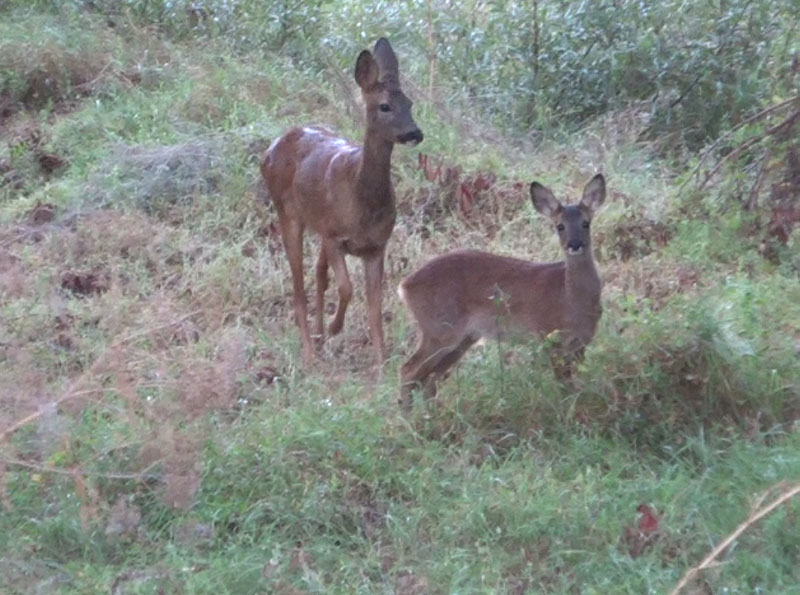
column 413, row 374
column 451, row 358
column 292, row 232
column 431, row 361
column 322, row 285
column 336, row 261
column 373, row 276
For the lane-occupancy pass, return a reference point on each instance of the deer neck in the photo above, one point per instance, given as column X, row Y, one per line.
column 582, row 288
column 374, row 185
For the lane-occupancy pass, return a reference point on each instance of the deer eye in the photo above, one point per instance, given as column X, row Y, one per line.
column 560, row 227
column 385, row 107
column 585, row 225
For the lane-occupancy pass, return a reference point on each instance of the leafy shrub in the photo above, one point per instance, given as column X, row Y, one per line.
column 700, row 67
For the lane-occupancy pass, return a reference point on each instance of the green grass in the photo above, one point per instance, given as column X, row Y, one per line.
column 191, row 452
column 369, row 499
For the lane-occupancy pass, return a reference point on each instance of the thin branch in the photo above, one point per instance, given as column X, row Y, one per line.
column 536, row 28
column 745, row 122
column 4, row 498
column 749, row 143
column 431, row 48
column 753, row 140
column 143, row 474
column 90, row 84
column 72, row 391
column 687, row 90
column 751, row 520
column 755, row 191
column 148, row 331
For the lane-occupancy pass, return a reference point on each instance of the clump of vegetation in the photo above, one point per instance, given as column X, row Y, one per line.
column 151, row 178
column 46, row 66
column 157, row 429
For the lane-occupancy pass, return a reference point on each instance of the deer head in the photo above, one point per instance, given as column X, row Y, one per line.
column 388, row 108
column 572, row 222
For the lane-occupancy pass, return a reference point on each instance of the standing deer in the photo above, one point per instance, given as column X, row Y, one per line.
column 467, row 295
column 344, row 193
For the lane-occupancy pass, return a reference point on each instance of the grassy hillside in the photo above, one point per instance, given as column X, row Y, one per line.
column 158, row 431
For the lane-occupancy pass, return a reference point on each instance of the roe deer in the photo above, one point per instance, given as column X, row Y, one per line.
column 344, row 193
column 461, row 297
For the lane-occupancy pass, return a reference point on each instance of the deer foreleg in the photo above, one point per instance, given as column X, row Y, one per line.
column 373, row 275
column 292, row 233
column 322, row 285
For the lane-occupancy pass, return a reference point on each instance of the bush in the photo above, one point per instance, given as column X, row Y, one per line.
column 698, row 67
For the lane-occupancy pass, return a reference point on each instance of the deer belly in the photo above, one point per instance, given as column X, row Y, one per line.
column 361, row 249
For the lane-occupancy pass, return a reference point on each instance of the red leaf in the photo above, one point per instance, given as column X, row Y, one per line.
column 649, row 521
column 426, row 165
column 484, row 181
column 466, row 200
column 641, row 537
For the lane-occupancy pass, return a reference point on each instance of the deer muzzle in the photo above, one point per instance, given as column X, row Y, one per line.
column 414, row 137
column 574, row 248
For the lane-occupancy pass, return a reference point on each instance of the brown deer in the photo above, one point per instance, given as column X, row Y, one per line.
column 463, row 296
column 344, row 193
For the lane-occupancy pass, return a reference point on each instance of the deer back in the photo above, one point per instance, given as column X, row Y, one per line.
column 485, row 295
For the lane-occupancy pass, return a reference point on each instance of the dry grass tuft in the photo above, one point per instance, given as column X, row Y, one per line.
column 153, row 178
column 203, row 385
column 633, row 237
column 48, row 67
column 48, row 72
column 182, row 466
column 23, row 390
column 13, row 279
column 124, row 520
column 651, row 278
column 154, row 365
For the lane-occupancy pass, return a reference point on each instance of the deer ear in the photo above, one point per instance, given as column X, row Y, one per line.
column 366, row 70
column 594, row 194
column 386, row 59
column 543, row 200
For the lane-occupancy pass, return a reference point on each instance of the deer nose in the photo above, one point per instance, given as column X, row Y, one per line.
column 415, row 136
column 574, row 247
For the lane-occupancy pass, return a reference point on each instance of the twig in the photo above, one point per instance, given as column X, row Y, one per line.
column 755, row 191
column 752, row 519
column 745, row 122
column 21, row 232
column 148, row 331
column 687, row 90
column 73, row 391
column 749, row 143
column 89, row 84
column 4, row 498
column 431, row 48
column 536, row 26
column 70, row 393
column 143, row 474
column 735, row 153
